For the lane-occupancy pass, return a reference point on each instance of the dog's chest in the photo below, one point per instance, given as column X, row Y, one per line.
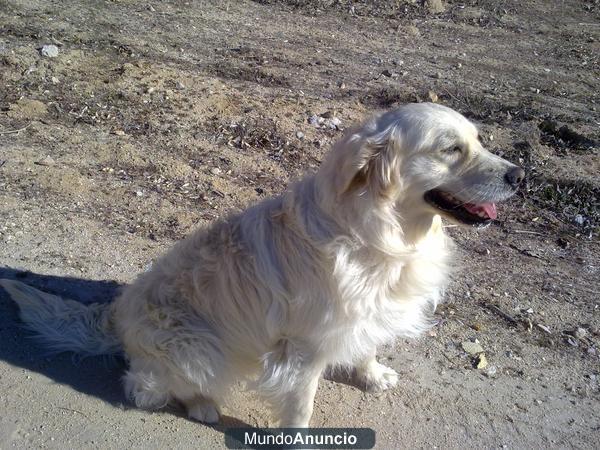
column 377, row 302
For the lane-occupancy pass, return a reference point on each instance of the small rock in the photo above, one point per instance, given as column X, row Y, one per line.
column 179, row 85
column 315, row 120
column 54, row 80
column 326, row 115
column 139, row 193
column 432, row 96
column 544, row 327
column 437, row 75
column 412, row 30
column 342, row 85
column 215, row 171
column 481, row 361
column 472, row 348
column 434, row 6
column 579, row 219
column 491, row 372
column 49, row 51
column 335, row 123
column 572, row 342
column 477, row 326
column 119, row 132
column 299, row 134
column 47, row 161
column 580, row 333
column 387, row 73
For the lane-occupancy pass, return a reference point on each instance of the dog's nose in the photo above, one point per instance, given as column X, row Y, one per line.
column 515, row 176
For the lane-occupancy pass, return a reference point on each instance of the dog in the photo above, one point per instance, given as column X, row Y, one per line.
column 344, row 261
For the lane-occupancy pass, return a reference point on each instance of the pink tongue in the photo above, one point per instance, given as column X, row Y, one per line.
column 488, row 208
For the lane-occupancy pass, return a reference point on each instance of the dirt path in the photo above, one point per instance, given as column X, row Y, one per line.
column 156, row 117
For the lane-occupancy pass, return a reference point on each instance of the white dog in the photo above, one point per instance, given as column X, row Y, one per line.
column 342, row 262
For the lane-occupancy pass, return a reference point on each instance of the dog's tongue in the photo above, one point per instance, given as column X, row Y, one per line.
column 488, row 208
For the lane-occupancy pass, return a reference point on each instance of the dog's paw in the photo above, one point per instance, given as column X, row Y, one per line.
column 377, row 377
column 205, row 411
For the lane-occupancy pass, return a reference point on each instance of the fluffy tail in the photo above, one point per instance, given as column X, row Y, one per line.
column 65, row 325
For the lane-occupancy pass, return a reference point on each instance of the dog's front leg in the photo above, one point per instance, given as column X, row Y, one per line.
column 297, row 405
column 375, row 377
column 290, row 381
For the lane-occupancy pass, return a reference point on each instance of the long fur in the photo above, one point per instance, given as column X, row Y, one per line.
column 341, row 263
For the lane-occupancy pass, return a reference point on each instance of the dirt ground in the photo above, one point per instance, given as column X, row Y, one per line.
column 156, row 117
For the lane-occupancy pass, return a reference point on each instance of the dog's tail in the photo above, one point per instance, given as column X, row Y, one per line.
column 65, row 325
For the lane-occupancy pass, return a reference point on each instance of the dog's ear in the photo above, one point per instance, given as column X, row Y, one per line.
column 367, row 161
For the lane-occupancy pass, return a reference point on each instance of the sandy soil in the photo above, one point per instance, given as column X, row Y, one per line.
column 157, row 117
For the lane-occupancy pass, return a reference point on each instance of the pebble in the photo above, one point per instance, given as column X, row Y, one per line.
column 47, row 161
column 215, row 171
column 579, row 219
column 481, row 361
column 477, row 326
column 432, row 96
column 54, row 80
column 437, row 75
column 299, row 134
column 325, row 120
column 412, row 30
column 491, row 372
column 472, row 348
column 334, row 123
column 580, row 333
column 49, row 51
column 315, row 120
column 544, row 327
column 139, row 193
column 435, row 6
column 179, row 85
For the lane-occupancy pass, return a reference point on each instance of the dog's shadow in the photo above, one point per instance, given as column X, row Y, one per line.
column 95, row 376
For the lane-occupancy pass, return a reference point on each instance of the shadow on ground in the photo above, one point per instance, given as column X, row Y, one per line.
column 95, row 376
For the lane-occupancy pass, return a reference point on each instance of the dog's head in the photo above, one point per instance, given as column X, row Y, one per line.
column 428, row 158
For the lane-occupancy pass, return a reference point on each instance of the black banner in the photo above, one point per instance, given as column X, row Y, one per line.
column 299, row 438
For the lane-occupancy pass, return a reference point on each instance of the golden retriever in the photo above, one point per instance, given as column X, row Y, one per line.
column 342, row 262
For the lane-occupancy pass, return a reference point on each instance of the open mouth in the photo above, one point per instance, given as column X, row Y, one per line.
column 475, row 214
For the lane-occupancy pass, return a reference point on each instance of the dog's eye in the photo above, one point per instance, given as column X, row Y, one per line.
column 454, row 150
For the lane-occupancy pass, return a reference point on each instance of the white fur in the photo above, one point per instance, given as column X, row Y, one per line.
column 341, row 263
